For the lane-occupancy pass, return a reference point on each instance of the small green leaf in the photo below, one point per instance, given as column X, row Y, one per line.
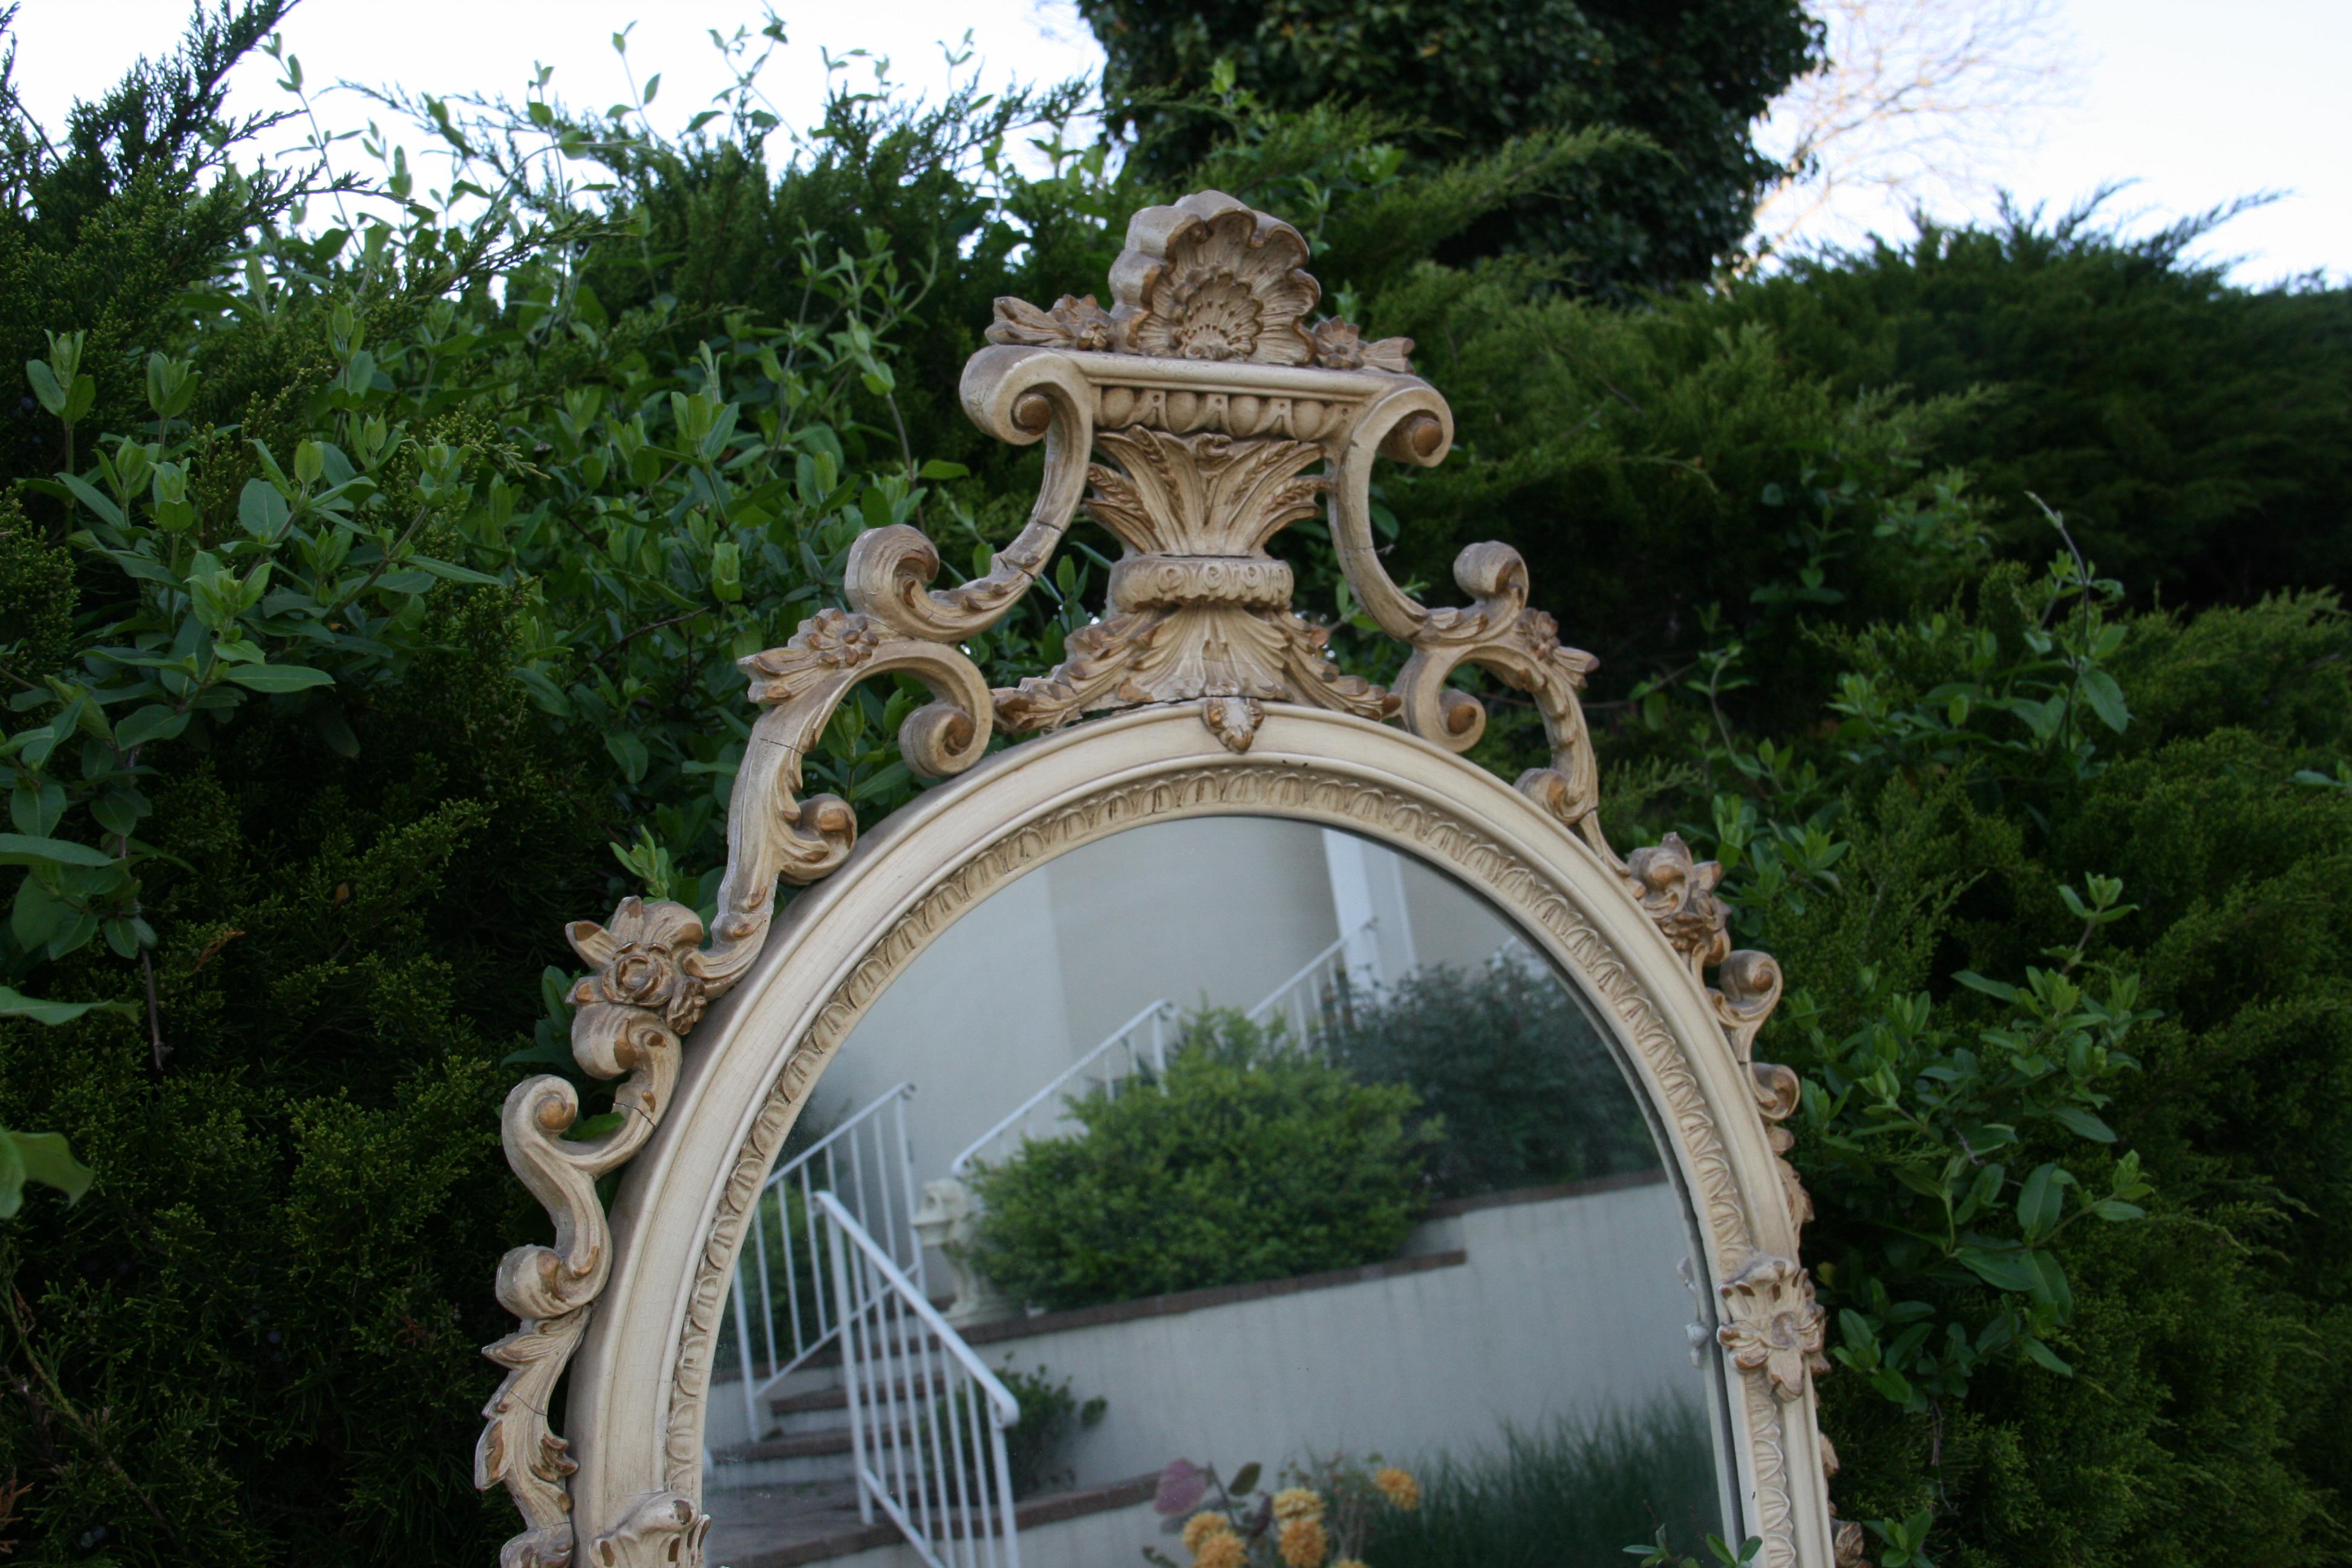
column 91, row 498
column 27, row 849
column 155, row 722
column 2001, row 1271
column 2106, row 699
column 2076, row 1118
column 1246, row 1479
column 279, row 676
column 2044, row 1356
column 630, row 752
column 45, row 385
column 598, row 1125
column 454, row 574
column 2041, row 1199
column 261, row 509
column 1975, row 982
column 41, row 1157
column 15, row 1005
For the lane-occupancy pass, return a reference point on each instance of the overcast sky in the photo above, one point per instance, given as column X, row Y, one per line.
column 2197, row 100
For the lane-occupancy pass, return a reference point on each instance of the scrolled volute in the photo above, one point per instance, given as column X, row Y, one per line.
column 1020, row 395
column 649, row 980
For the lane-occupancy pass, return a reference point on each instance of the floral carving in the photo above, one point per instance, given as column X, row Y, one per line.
column 1233, row 721
column 1774, row 1326
column 1339, row 346
column 1779, row 1091
column 1077, row 324
column 664, row 1531
column 830, row 642
column 640, row 960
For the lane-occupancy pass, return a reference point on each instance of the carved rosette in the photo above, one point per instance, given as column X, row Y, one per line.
column 1199, row 416
column 1773, row 1325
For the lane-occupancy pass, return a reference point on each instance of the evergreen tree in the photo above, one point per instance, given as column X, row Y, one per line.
column 1687, row 79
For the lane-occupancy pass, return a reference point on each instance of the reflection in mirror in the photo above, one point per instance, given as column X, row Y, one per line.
column 1231, row 1189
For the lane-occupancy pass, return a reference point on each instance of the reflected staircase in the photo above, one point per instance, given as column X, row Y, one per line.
column 873, row 1419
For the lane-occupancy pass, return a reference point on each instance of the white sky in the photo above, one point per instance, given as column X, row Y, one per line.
column 2198, row 101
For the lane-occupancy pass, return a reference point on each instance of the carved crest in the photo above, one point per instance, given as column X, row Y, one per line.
column 1202, row 413
column 1206, row 278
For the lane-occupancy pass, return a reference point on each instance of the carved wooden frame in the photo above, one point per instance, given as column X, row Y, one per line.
column 1208, row 394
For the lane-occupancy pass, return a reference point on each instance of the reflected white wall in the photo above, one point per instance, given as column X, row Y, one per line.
column 1566, row 1309
column 1210, row 911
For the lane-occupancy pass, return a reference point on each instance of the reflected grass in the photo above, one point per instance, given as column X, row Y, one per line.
column 1572, row 1495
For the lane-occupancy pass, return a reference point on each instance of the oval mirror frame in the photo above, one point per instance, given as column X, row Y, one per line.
column 1229, row 709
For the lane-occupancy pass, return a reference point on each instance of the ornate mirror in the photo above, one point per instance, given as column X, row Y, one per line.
column 1233, row 1128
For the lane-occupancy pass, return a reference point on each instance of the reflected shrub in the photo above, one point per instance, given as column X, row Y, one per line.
column 1518, row 1087
column 1255, row 1161
column 1568, row 1496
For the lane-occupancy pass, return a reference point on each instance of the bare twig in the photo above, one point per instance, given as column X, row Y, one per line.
column 1913, row 99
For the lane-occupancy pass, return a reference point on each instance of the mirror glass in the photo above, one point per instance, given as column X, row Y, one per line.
column 1234, row 1190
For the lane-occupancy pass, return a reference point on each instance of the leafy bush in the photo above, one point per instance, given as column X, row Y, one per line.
column 2193, row 433
column 1050, row 1419
column 1249, row 1161
column 1516, row 1086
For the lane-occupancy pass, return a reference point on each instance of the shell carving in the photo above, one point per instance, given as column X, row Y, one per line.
column 1207, row 279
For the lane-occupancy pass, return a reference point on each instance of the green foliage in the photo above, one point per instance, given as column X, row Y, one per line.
column 1050, row 1419
column 516, row 472
column 43, row 1157
column 1249, row 1161
column 1682, row 484
column 1517, row 1085
column 1977, row 776
column 1567, row 1496
column 1663, row 205
column 2194, row 433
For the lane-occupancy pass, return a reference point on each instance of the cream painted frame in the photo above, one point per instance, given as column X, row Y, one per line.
column 641, row 1376
column 1230, row 708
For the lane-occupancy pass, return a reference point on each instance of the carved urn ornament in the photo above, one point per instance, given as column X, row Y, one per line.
column 1202, row 413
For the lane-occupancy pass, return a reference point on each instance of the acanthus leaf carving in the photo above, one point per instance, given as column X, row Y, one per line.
column 664, row 1531
column 1678, row 893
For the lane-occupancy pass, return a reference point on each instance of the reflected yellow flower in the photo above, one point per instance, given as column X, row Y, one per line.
column 1297, row 1502
column 1201, row 1526
column 1220, row 1549
column 1398, row 1485
column 1303, row 1542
